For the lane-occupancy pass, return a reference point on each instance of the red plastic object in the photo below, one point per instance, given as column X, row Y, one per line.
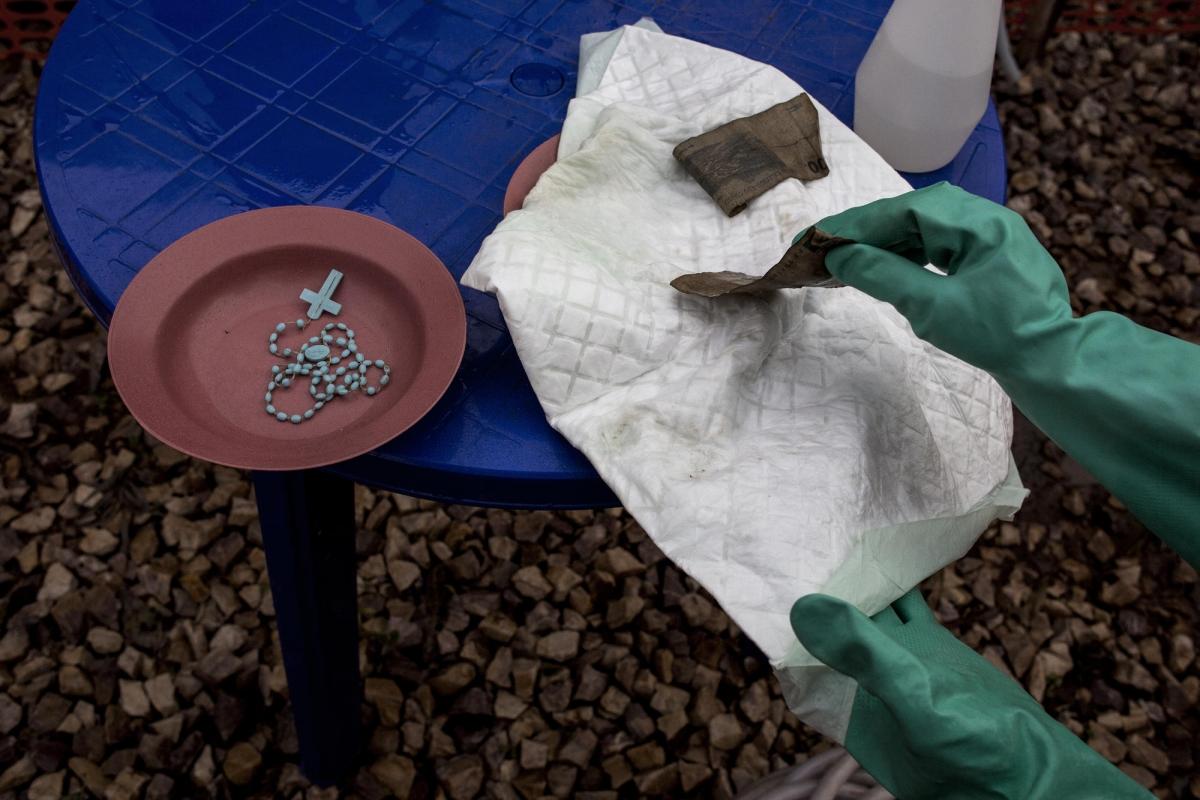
column 27, row 27
column 1122, row 16
column 188, row 340
column 528, row 172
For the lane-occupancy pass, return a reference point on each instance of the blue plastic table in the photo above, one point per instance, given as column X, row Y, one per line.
column 158, row 116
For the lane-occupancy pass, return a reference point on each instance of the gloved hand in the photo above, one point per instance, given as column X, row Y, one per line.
column 1121, row 399
column 933, row 719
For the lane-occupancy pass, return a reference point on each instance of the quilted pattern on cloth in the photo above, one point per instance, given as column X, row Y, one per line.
column 772, row 447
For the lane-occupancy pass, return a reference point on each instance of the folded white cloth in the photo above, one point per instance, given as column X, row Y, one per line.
column 772, row 447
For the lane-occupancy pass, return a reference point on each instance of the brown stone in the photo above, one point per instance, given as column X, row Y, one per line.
column 453, row 679
column 662, row 781
column 134, row 701
column 524, row 676
column 614, row 701
column 508, row 705
column 461, row 777
column 48, row 712
column 395, row 772
column 241, row 763
column 98, row 541
column 725, row 732
column 387, row 698
column 592, row 683
column 530, row 582
column 692, row 775
column 48, row 786
column 58, row 581
column 499, row 669
column 17, row 774
column 623, row 610
column 559, row 646
column 104, row 641
column 672, row 723
column 92, row 777
column 218, row 665
column 1183, row 653
column 1107, row 745
column 579, row 748
column 618, row 770
column 646, row 756
column 403, row 573
column 161, row 787
column 1144, row 753
column 669, row 698
column 560, row 780
column 161, row 691
column 756, row 702
column 534, row 754
column 497, row 627
column 619, row 562
column 1140, row 775
column 74, row 681
column 126, row 786
column 696, row 609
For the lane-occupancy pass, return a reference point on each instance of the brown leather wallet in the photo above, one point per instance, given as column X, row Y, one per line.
column 742, row 159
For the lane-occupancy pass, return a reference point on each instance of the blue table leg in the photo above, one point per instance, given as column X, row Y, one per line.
column 308, row 532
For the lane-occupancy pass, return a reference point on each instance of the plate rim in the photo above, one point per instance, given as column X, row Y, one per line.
column 153, row 273
column 515, row 192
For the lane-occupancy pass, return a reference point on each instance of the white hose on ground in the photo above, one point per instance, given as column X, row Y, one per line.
column 795, row 781
column 835, row 779
column 831, row 775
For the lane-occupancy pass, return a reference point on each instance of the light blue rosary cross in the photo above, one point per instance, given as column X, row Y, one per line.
column 322, row 301
column 331, row 360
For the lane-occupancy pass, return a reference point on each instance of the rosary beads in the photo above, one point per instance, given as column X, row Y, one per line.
column 331, row 374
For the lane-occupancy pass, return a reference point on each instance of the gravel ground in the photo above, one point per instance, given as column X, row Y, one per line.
column 535, row 653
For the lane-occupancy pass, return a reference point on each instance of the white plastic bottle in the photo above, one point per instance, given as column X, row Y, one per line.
column 923, row 85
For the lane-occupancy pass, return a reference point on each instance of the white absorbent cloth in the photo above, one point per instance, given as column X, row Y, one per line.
column 804, row 441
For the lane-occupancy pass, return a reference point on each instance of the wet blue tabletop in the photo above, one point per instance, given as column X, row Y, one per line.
column 157, row 116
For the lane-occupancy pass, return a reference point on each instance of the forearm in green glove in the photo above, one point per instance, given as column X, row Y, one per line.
column 1121, row 399
column 933, row 719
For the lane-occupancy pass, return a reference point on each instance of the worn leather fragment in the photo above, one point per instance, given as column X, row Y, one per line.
column 742, row 159
column 802, row 265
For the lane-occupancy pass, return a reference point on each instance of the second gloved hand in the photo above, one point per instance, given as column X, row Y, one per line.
column 933, row 719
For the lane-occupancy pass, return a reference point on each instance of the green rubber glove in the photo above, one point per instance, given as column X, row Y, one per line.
column 1123, row 400
column 933, row 719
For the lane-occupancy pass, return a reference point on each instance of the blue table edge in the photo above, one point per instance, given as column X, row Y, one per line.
column 503, row 490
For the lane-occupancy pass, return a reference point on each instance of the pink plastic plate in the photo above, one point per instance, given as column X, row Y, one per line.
column 188, row 344
column 528, row 172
